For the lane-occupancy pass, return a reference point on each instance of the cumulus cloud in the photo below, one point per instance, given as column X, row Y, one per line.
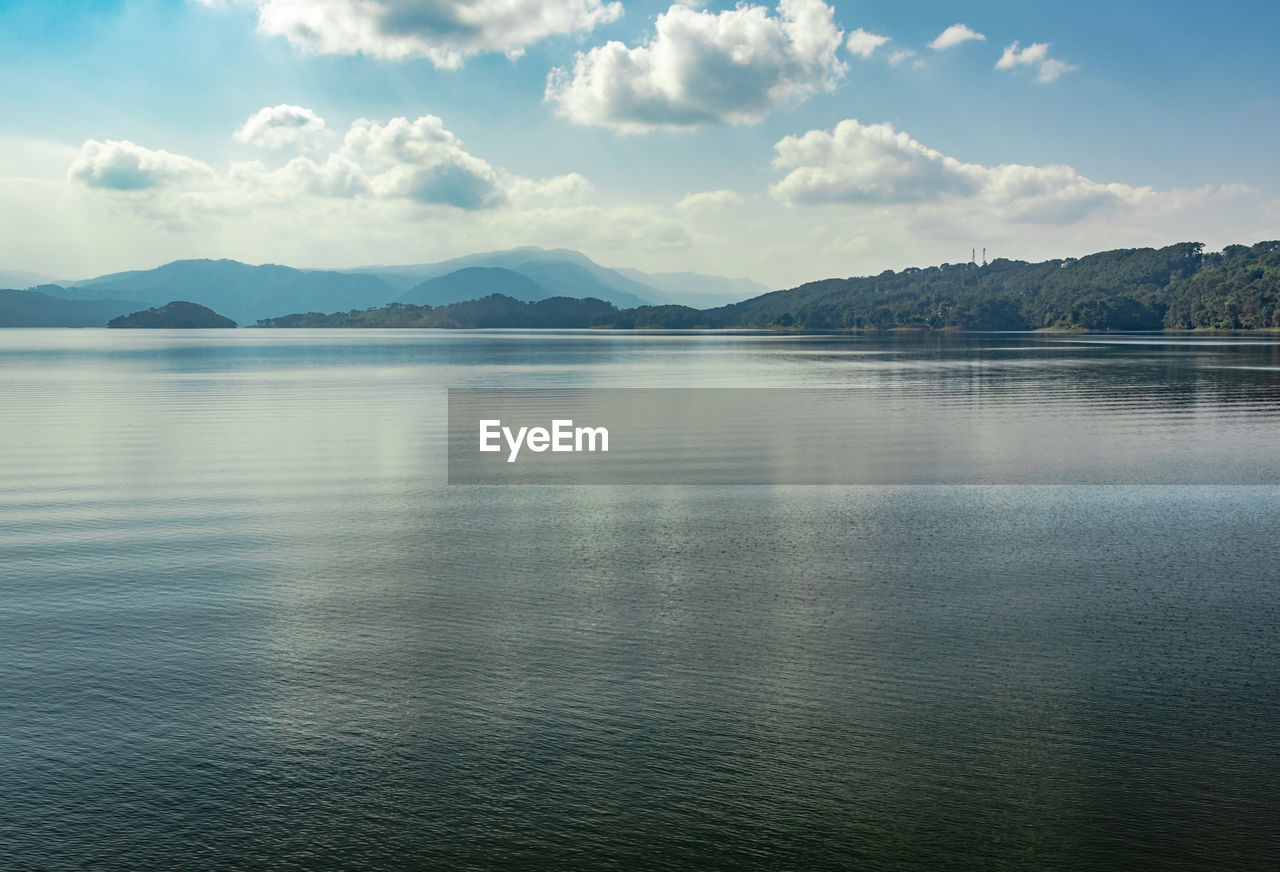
column 702, row 67
column 877, row 165
column 955, row 35
column 446, row 32
column 1035, row 55
column 902, row 54
column 720, row 199
column 337, row 176
column 863, row 44
column 417, row 162
column 1015, row 57
column 859, row 163
column 278, row 126
column 422, row 161
column 120, row 165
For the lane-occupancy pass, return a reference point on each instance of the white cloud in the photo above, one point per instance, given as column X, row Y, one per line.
column 1052, row 69
column 701, row 68
column 955, row 35
column 867, row 164
column 417, row 162
column 446, row 32
column 278, row 126
column 876, row 165
column 422, row 161
column 720, row 199
column 1015, row 57
column 338, row 176
column 863, row 44
column 568, row 189
column 120, row 165
column 901, row 55
column 1034, row 55
column 621, row 228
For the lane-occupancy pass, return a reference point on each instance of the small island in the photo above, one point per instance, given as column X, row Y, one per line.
column 177, row 314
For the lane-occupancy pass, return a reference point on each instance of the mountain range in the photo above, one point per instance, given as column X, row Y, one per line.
column 248, row 293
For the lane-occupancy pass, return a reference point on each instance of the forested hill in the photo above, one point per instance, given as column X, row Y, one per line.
column 495, row 310
column 1176, row 287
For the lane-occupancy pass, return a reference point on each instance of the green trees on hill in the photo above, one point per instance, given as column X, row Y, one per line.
column 1238, row 289
column 495, row 310
column 671, row 317
column 176, row 314
column 1115, row 290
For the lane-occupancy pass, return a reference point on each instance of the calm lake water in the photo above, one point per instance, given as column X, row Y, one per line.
column 245, row 623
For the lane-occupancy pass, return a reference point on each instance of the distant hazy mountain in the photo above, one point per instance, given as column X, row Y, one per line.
column 248, row 293
column 564, row 278
column 512, row 274
column 17, row 278
column 695, row 289
column 507, row 259
column 245, row 293
column 559, row 271
column 472, row 283
column 36, row 309
column 71, row 292
column 177, row 314
column 564, row 271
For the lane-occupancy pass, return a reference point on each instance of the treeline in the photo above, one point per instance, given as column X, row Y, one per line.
column 1178, row 287
column 495, row 310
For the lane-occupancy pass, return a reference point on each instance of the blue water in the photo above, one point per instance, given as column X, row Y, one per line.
column 245, row 624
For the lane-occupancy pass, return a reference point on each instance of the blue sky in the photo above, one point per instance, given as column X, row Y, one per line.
column 782, row 143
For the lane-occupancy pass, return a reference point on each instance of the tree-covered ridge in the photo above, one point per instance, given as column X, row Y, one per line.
column 1176, row 287
column 177, row 314
column 495, row 310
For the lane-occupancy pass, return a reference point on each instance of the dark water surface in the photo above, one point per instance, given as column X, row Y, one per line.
column 244, row 623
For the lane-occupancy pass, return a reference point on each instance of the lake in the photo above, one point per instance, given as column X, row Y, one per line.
column 245, row 622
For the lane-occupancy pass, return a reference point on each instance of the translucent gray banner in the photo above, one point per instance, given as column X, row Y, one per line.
column 845, row 437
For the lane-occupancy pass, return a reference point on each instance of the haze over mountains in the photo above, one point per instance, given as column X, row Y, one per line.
column 20, row 278
column 35, row 308
column 247, row 293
